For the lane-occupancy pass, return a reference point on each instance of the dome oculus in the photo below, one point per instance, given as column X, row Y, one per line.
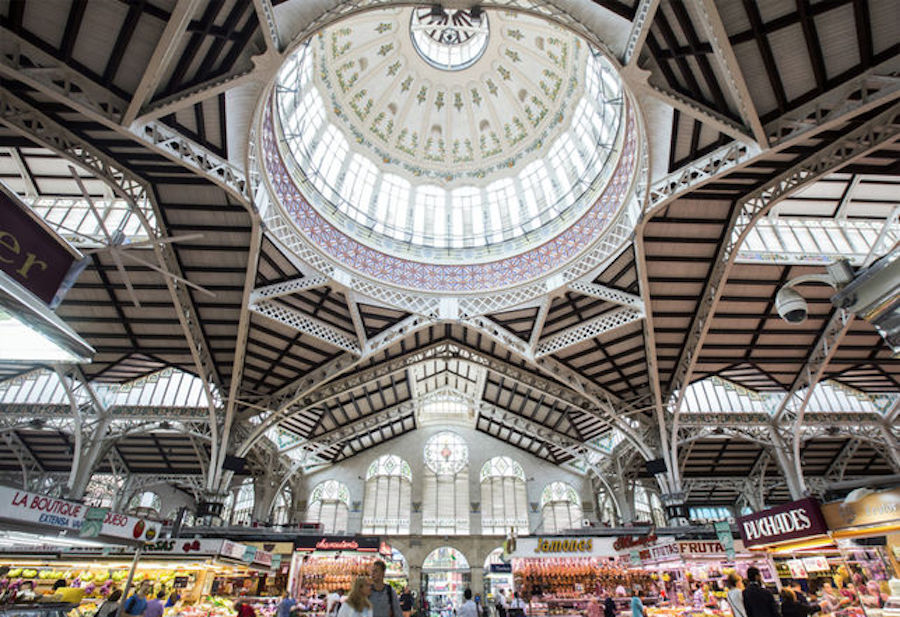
column 449, row 39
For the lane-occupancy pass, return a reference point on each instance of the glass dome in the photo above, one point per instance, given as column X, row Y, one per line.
column 449, row 167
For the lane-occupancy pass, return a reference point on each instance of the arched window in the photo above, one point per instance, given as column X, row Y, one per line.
column 281, row 510
column 560, row 508
column 102, row 490
column 504, row 502
column 445, row 558
column 648, row 508
column 445, row 509
column 388, row 494
column 238, row 510
column 708, row 514
column 329, row 504
column 144, row 503
column 607, row 510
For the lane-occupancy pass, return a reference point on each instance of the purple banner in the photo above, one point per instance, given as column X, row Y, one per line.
column 30, row 254
column 792, row 521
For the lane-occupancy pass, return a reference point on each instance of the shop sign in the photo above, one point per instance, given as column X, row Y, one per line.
column 723, row 532
column 501, row 568
column 30, row 253
column 796, row 568
column 262, row 558
column 874, row 509
column 816, row 564
column 661, row 552
column 627, row 542
column 30, row 508
column 385, row 549
column 368, row 544
column 180, row 582
column 634, row 557
column 792, row 521
column 233, row 550
column 564, row 545
column 578, row 546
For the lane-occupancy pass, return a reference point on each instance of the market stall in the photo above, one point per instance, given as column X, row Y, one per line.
column 52, row 525
column 797, row 541
column 560, row 575
column 445, row 576
column 322, row 564
column 679, row 567
column 205, row 575
column 497, row 575
column 867, row 534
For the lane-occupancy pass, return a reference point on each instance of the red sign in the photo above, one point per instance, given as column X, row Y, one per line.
column 30, row 253
column 792, row 521
column 631, row 541
column 338, row 545
column 367, row 544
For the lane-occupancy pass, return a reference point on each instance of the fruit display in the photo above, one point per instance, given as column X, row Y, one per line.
column 96, row 581
column 572, row 577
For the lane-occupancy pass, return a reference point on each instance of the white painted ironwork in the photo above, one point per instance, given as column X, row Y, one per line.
column 307, row 324
column 608, row 293
column 588, row 329
column 640, row 28
column 286, row 288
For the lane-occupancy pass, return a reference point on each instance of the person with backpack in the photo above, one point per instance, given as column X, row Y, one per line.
column 136, row 604
column 385, row 602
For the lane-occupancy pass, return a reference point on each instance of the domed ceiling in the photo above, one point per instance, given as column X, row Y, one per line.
column 432, row 159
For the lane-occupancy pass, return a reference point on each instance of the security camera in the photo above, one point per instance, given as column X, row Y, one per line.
column 790, row 305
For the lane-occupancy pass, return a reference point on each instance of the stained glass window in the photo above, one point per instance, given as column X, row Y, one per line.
column 504, row 502
column 560, row 508
column 329, row 504
column 446, row 453
column 445, row 490
column 388, row 496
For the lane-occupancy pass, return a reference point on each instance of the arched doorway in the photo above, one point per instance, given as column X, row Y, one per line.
column 498, row 576
column 445, row 575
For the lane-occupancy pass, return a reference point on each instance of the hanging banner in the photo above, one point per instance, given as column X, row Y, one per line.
column 723, row 532
column 365, row 544
column 30, row 252
column 790, row 522
column 27, row 509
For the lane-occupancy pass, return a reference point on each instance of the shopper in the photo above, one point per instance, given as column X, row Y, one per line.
column 468, row 608
column 758, row 601
column 243, row 610
column 156, row 606
column 790, row 607
column 286, row 605
column 609, row 606
column 735, row 595
column 385, row 602
column 502, row 604
column 137, row 603
column 333, row 602
column 517, row 606
column 406, row 602
column 110, row 605
column 358, row 602
column 637, row 603
column 593, row 608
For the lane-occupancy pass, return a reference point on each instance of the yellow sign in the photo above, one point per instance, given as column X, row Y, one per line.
column 556, row 545
column 875, row 509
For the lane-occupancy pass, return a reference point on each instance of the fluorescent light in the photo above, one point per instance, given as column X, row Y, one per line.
column 23, row 343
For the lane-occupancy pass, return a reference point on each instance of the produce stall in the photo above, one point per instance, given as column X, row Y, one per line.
column 867, row 534
column 207, row 574
column 678, row 566
column 796, row 538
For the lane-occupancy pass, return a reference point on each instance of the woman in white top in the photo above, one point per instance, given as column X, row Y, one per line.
column 357, row 603
column 736, row 595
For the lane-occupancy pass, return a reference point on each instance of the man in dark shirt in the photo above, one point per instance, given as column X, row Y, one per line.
column 406, row 602
column 758, row 600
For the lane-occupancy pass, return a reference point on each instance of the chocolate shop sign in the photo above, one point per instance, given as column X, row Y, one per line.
column 790, row 522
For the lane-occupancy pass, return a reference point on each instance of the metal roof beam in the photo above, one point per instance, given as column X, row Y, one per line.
column 711, row 23
column 286, row 288
column 587, row 330
column 609, row 294
column 640, row 28
column 166, row 48
column 307, row 324
column 714, row 119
